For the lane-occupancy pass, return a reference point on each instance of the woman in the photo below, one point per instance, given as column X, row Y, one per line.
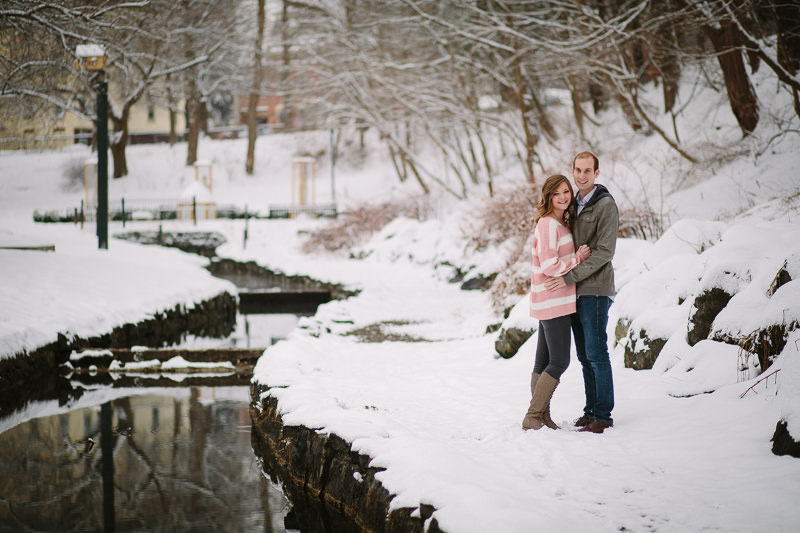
column 553, row 255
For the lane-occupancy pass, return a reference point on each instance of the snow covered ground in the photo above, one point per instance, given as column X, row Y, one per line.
column 443, row 415
column 438, row 409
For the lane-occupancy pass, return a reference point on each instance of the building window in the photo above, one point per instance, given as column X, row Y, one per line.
column 83, row 136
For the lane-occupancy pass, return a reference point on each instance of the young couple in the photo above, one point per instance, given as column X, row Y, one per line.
column 572, row 290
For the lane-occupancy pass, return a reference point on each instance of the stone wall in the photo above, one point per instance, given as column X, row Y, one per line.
column 331, row 487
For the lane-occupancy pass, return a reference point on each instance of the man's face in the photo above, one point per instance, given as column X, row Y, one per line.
column 584, row 174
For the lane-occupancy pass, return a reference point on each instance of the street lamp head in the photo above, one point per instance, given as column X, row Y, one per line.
column 91, row 57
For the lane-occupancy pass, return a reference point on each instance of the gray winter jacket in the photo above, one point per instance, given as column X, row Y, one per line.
column 596, row 226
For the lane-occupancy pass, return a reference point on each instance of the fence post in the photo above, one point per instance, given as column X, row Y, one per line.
column 246, row 221
column 123, row 212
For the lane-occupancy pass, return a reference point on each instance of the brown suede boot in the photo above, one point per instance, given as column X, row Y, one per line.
column 547, row 420
column 543, row 387
column 546, row 416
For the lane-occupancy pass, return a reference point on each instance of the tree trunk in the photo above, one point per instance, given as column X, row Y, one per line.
column 664, row 57
column 577, row 108
column 192, row 122
column 171, row 107
column 172, row 127
column 727, row 44
column 203, row 118
column 120, row 142
column 287, row 115
column 486, row 162
column 192, row 98
column 255, row 91
column 630, row 113
column 542, row 117
column 530, row 139
column 787, row 24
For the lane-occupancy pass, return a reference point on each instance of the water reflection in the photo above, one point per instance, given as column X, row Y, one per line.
column 182, row 461
column 250, row 331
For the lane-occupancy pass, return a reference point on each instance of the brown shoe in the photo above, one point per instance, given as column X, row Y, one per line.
column 582, row 421
column 595, row 426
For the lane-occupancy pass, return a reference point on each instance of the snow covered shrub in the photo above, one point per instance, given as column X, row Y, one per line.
column 514, row 279
column 73, row 175
column 358, row 224
column 507, row 220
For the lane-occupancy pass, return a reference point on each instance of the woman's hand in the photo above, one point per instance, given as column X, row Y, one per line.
column 583, row 253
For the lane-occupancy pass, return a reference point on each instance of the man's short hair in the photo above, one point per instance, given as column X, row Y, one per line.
column 587, row 154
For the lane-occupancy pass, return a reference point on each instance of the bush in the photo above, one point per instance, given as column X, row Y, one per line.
column 358, row 224
column 640, row 223
column 507, row 216
column 508, row 219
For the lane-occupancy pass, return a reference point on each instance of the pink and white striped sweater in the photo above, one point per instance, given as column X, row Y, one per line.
column 553, row 256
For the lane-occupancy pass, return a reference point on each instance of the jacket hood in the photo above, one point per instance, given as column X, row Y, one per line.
column 600, row 192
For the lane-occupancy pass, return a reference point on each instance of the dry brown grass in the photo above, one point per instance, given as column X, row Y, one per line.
column 640, row 223
column 358, row 224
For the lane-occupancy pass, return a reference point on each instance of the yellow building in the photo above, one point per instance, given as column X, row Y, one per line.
column 51, row 127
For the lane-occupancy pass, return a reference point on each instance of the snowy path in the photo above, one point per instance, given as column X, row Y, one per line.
column 444, row 419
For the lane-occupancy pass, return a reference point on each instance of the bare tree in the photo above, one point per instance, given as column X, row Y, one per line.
column 255, row 89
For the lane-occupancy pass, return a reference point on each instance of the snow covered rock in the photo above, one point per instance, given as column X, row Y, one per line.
column 516, row 329
column 786, row 440
column 705, row 309
column 641, row 350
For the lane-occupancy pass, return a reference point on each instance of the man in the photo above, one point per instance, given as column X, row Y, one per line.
column 596, row 224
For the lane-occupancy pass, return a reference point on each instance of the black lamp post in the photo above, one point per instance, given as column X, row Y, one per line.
column 102, row 164
column 92, row 57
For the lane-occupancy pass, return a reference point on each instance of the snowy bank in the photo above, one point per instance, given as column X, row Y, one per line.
column 438, row 413
column 84, row 292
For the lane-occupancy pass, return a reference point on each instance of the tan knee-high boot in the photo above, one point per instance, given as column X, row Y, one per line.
column 543, row 386
column 546, row 415
column 534, row 379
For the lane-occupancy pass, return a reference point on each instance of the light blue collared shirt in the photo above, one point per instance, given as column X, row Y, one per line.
column 583, row 201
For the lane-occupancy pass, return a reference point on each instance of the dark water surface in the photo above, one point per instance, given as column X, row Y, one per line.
column 167, row 459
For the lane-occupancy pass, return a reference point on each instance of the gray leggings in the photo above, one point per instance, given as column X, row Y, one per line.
column 552, row 352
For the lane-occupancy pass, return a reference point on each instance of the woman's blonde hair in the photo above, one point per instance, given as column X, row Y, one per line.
column 545, row 206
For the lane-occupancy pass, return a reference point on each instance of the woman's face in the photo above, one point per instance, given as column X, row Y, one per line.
column 561, row 198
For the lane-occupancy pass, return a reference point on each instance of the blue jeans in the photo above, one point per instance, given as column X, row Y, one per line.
column 591, row 343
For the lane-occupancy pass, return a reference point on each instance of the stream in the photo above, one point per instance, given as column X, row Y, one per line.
column 138, row 459
column 150, row 452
